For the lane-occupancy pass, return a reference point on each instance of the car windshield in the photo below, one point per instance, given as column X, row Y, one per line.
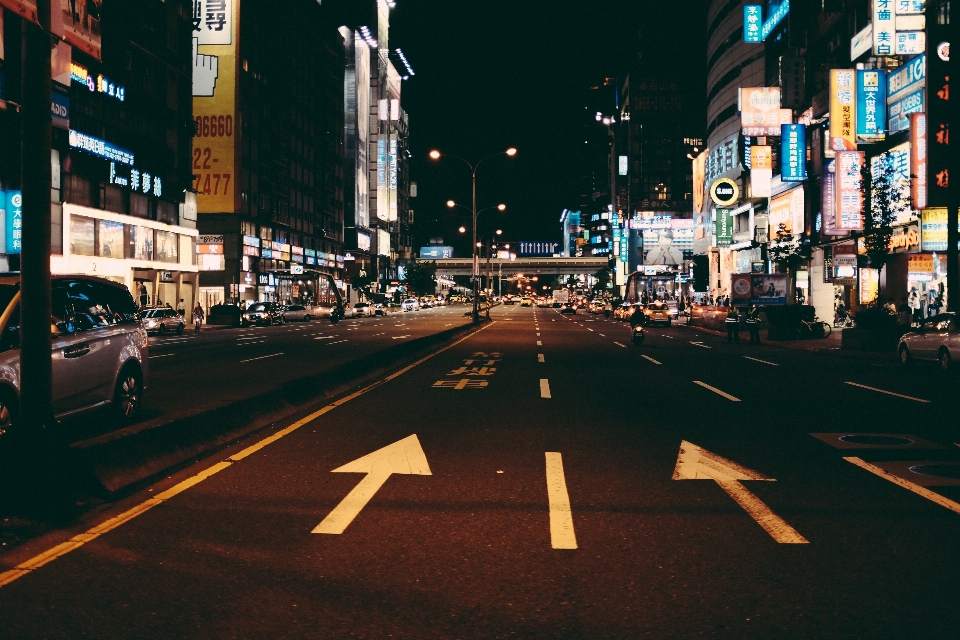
column 360, row 305
column 153, row 313
column 257, row 308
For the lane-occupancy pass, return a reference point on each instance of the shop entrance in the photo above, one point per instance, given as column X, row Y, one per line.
column 210, row 296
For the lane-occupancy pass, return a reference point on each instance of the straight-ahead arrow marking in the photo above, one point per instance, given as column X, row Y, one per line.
column 404, row 457
column 696, row 463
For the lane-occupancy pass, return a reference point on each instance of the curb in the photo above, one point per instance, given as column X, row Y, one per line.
column 875, row 355
column 126, row 460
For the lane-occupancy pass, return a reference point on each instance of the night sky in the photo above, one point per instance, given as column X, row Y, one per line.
column 501, row 73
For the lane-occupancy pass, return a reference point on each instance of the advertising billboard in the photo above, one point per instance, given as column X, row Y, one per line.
column 23, row 8
column 699, row 180
column 760, row 112
column 761, row 171
column 871, row 105
column 383, row 242
column 214, row 162
column 392, row 160
column 828, row 201
column 724, row 227
column 918, row 159
column 849, row 190
column 884, row 27
column 362, row 167
column 759, row 289
column 786, row 214
column 905, row 94
column 898, row 158
column 383, row 191
column 81, row 25
column 843, row 110
column 940, row 113
column 793, row 152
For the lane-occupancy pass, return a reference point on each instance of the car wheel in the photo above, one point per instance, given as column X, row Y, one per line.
column 946, row 363
column 179, row 329
column 163, row 330
column 128, row 394
column 904, row 355
column 306, row 318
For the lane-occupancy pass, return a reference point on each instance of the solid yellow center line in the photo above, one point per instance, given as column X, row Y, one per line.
column 906, row 484
column 81, row 539
column 562, row 535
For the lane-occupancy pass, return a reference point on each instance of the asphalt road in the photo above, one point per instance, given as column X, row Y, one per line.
column 562, row 483
column 192, row 372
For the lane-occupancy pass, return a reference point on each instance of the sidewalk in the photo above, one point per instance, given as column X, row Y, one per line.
column 829, row 345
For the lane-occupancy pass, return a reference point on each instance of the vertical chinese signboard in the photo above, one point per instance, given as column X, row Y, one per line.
column 214, row 162
column 938, row 117
column 751, row 22
column 871, row 105
column 918, row 160
column 828, row 201
column 761, row 171
column 793, row 152
column 849, row 190
column 842, row 110
column 14, row 221
column 884, row 27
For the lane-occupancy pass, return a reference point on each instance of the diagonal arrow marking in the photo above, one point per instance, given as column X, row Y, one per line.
column 696, row 463
column 404, row 457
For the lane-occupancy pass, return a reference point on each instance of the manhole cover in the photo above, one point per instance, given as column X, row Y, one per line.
column 883, row 441
column 938, row 470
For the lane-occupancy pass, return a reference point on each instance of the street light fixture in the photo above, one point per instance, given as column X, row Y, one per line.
column 436, row 155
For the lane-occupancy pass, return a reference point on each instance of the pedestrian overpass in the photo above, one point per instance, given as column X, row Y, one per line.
column 531, row 266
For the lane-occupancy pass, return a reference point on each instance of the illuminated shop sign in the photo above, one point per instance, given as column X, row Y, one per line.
column 100, row 148
column 80, row 75
column 793, row 143
column 14, row 220
column 871, row 105
column 136, row 180
column 753, row 29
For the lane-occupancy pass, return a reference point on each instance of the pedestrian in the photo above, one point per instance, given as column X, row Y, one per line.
column 733, row 325
column 914, row 302
column 903, row 313
column 197, row 318
column 680, row 307
column 142, row 293
column 753, row 324
column 933, row 307
column 180, row 310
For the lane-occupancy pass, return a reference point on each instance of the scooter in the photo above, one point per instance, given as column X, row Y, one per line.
column 336, row 315
column 638, row 335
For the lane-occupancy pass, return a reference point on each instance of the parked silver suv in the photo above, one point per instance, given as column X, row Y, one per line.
column 99, row 354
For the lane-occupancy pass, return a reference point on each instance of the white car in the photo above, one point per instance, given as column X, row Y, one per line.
column 410, row 304
column 937, row 339
column 361, row 309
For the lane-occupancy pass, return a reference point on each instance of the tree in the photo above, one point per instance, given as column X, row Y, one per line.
column 603, row 279
column 887, row 201
column 422, row 277
column 788, row 254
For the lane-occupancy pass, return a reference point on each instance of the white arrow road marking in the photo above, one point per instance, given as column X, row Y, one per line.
column 562, row 535
column 717, row 391
column 906, row 484
column 772, row 364
column 700, row 344
column 650, row 359
column 400, row 337
column 539, row 357
column 403, row 457
column 889, row 393
column 696, row 463
column 544, row 388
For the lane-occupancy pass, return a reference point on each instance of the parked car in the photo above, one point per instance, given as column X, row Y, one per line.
column 296, row 312
column 99, row 348
column 937, row 339
column 410, row 304
column 162, row 321
column 263, row 314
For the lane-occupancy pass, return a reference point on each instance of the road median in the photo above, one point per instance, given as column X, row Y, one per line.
column 132, row 457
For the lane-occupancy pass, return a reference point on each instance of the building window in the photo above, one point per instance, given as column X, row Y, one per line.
column 166, row 212
column 141, row 243
column 110, row 239
column 82, row 236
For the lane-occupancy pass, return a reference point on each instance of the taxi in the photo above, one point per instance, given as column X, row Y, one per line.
column 658, row 312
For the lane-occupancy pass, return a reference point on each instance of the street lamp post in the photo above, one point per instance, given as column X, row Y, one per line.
column 436, row 155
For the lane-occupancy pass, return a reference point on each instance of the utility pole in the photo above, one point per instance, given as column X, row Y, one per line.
column 36, row 377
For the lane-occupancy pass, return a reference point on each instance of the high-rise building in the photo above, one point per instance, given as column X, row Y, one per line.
column 121, row 205
column 268, row 149
column 377, row 128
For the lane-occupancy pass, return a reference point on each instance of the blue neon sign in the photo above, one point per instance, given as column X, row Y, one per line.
column 14, row 221
column 871, row 104
column 752, row 19
column 793, row 151
column 100, row 148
